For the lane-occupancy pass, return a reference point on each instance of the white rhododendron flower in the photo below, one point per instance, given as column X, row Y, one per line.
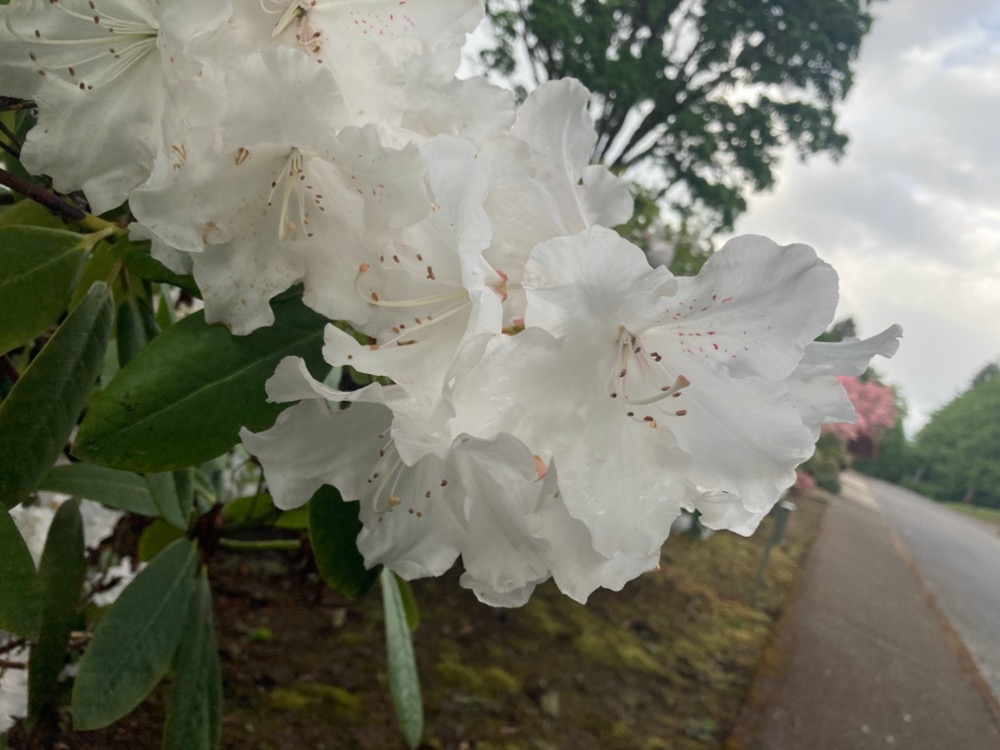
column 548, row 403
column 103, row 70
column 489, row 501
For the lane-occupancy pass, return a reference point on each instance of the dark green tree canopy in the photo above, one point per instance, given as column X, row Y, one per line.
column 707, row 92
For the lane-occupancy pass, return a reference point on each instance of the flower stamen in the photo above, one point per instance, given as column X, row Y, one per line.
column 291, row 176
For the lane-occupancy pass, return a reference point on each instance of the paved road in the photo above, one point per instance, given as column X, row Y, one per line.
column 959, row 559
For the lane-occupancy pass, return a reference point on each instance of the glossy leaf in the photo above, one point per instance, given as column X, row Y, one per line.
column 38, row 268
column 135, row 642
column 404, row 682
column 20, row 599
column 333, row 531
column 38, row 415
column 121, row 490
column 195, row 708
column 60, row 575
column 183, row 400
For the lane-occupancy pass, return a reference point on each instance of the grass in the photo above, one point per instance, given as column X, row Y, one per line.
column 990, row 516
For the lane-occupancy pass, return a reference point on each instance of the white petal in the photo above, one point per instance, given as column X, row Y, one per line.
column 818, row 395
column 501, row 556
column 305, row 105
column 305, row 448
column 595, row 281
column 624, row 479
column 390, row 180
column 472, row 108
column 579, row 569
column 422, row 536
column 751, row 310
column 607, row 200
column 744, row 436
column 724, row 511
column 101, row 141
column 555, row 122
column 851, row 356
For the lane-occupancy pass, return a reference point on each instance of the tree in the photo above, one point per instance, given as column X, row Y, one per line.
column 842, row 329
column 988, row 373
column 960, row 447
column 706, row 92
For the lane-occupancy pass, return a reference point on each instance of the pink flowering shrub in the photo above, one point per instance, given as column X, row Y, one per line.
column 803, row 482
column 875, row 405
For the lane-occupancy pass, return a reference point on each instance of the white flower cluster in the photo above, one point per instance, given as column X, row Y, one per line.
column 555, row 401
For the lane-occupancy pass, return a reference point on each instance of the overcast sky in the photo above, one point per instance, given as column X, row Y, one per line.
column 910, row 217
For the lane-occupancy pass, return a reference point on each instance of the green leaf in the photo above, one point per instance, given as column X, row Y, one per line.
column 20, row 597
column 100, row 266
column 38, row 415
column 195, row 708
column 28, row 213
column 135, row 642
column 183, row 400
column 249, row 510
column 333, row 531
column 409, row 603
column 60, row 576
column 184, row 482
column 130, row 330
column 38, row 267
column 165, row 317
column 296, row 519
column 121, row 490
column 163, row 490
column 157, row 537
column 137, row 259
column 404, row 682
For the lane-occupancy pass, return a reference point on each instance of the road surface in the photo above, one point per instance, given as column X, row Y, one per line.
column 959, row 559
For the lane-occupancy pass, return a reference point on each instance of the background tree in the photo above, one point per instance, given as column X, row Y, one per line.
column 959, row 448
column 706, row 92
column 842, row 329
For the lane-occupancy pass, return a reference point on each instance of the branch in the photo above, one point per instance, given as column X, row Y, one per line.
column 55, row 203
column 37, row 193
column 662, row 110
column 15, row 142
